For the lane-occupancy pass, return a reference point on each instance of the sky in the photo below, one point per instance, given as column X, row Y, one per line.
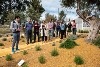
column 51, row 6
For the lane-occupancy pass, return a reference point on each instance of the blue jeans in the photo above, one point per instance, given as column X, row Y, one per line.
column 74, row 31
column 58, row 30
column 16, row 38
column 29, row 36
column 51, row 33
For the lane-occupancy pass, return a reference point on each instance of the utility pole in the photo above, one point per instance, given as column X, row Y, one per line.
column 58, row 13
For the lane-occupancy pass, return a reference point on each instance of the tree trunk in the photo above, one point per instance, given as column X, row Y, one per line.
column 93, row 32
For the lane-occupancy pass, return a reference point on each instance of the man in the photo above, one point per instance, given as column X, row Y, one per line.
column 58, row 28
column 28, row 27
column 74, row 27
column 15, row 27
column 50, row 27
column 36, row 31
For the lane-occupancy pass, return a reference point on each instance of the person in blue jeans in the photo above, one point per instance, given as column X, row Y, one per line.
column 58, row 28
column 28, row 27
column 15, row 27
column 62, row 27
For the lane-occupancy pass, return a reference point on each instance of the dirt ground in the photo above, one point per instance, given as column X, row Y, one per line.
column 90, row 54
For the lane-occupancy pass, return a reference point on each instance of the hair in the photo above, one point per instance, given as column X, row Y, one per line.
column 16, row 17
column 73, row 20
column 28, row 18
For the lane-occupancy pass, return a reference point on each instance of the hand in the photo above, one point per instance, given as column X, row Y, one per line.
column 18, row 29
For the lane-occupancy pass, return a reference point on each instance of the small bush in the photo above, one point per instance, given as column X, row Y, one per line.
column 41, row 59
column 25, row 52
column 54, row 52
column 79, row 31
column 60, row 41
column 23, row 40
column 4, row 39
column 0, row 35
column 72, row 37
column 97, row 42
column 11, row 34
column 38, row 48
column 1, row 44
column 78, row 60
column 86, row 31
column 22, row 36
column 9, row 57
column 6, row 35
column 25, row 65
column 53, row 44
column 68, row 44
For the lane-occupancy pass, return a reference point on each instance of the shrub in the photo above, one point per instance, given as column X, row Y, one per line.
column 22, row 36
column 11, row 34
column 41, row 59
column 78, row 60
column 54, row 52
column 81, row 31
column 53, row 44
column 7, row 35
column 25, row 65
column 60, row 41
column 4, row 39
column 25, row 52
column 68, row 44
column 1, row 44
column 37, row 48
column 72, row 37
column 97, row 42
column 86, row 31
column 0, row 35
column 9, row 57
column 23, row 40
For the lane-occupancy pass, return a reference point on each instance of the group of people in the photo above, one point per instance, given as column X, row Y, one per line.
column 47, row 31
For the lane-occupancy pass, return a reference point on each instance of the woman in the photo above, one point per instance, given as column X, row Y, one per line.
column 69, row 28
column 44, row 31
column 62, row 28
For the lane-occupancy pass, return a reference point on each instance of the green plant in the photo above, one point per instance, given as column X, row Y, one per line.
column 38, row 48
column 60, row 41
column 11, row 34
column 42, row 59
column 25, row 52
column 68, row 44
column 1, row 44
column 97, row 42
column 0, row 35
column 25, row 65
column 7, row 35
column 53, row 44
column 81, row 31
column 78, row 60
column 72, row 37
column 4, row 39
column 54, row 52
column 22, row 36
column 9, row 57
column 23, row 40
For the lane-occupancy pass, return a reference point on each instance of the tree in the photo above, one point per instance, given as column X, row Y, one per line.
column 86, row 6
column 62, row 15
column 48, row 17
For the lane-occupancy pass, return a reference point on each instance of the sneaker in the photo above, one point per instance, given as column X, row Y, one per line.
column 17, row 49
column 13, row 51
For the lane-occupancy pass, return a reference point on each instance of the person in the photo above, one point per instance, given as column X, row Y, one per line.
column 23, row 25
column 54, row 26
column 50, row 27
column 65, row 30
column 69, row 28
column 28, row 27
column 44, row 31
column 15, row 27
column 36, row 31
column 74, row 27
column 62, row 28
column 58, row 28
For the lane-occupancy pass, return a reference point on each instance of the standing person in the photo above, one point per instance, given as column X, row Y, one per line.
column 44, row 31
column 15, row 27
column 54, row 26
column 58, row 28
column 65, row 30
column 62, row 29
column 74, row 27
column 28, row 27
column 36, row 31
column 69, row 28
column 50, row 27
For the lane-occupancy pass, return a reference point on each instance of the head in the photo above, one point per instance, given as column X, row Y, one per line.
column 17, row 18
column 73, row 20
column 36, row 22
column 29, row 19
column 69, row 23
column 44, row 22
column 61, row 22
column 51, row 20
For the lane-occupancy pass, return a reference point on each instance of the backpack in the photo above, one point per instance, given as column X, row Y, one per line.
column 13, row 26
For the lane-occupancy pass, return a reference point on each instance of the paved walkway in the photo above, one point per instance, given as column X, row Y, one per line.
column 5, row 51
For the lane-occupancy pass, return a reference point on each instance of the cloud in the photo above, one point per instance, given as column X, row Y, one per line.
column 51, row 6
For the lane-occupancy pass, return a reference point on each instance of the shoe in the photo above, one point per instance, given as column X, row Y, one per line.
column 13, row 51
column 27, row 43
column 17, row 49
